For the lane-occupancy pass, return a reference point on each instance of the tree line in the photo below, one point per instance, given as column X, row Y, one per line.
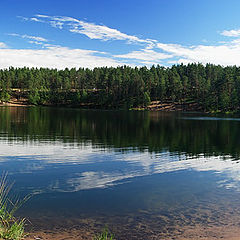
column 213, row 87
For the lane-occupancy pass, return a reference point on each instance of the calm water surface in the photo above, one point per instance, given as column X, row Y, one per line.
column 148, row 173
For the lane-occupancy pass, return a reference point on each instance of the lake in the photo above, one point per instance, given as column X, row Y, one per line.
column 145, row 175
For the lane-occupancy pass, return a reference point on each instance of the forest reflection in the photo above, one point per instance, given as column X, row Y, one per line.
column 123, row 130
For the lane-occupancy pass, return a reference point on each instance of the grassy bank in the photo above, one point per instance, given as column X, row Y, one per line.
column 11, row 228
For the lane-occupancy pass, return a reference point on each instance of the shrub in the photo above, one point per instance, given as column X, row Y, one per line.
column 105, row 235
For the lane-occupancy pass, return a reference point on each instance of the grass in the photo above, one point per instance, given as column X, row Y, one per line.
column 11, row 228
column 105, row 235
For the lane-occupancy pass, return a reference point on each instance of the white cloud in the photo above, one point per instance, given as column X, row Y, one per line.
column 35, row 38
column 54, row 57
column 91, row 30
column 57, row 24
column 35, row 42
column 153, row 52
column 146, row 55
column 101, row 179
column 34, row 19
column 231, row 33
column 3, row 45
column 105, row 33
column 143, row 163
column 40, row 39
column 225, row 54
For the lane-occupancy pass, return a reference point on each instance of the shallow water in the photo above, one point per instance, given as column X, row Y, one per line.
column 144, row 174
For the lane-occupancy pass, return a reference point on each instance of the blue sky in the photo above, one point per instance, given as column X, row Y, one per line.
column 93, row 33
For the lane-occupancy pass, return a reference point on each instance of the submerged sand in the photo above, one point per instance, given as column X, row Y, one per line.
column 136, row 228
column 190, row 233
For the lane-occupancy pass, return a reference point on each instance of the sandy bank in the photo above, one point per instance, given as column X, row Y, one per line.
column 154, row 106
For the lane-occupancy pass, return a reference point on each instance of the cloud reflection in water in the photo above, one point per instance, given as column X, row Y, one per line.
column 88, row 168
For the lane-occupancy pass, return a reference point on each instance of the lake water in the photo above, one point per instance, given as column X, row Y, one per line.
column 146, row 175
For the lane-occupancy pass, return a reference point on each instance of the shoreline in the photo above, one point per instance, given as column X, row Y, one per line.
column 169, row 106
column 154, row 106
column 87, row 232
column 133, row 228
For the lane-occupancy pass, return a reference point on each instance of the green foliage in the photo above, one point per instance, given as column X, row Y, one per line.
column 13, row 231
column 44, row 97
column 84, row 95
column 34, row 97
column 212, row 87
column 105, row 235
column 5, row 96
column 10, row 227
